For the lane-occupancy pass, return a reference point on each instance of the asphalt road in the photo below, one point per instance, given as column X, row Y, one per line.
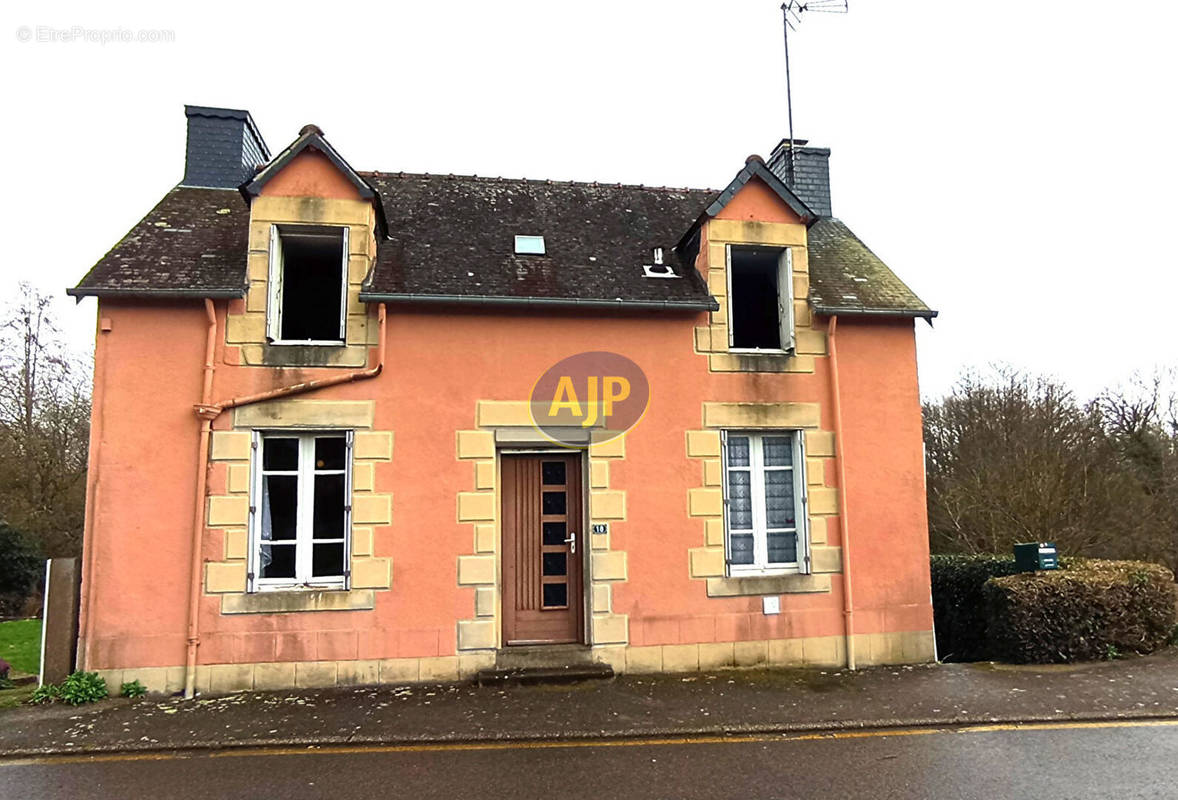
column 1081, row 760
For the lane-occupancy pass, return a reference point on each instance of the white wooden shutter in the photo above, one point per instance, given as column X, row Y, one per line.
column 350, row 439
column 785, row 299
column 274, row 288
column 802, row 495
column 728, row 297
column 254, row 536
column 724, row 490
column 343, row 295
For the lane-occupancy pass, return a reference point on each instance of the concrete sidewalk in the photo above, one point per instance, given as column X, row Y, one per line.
column 723, row 702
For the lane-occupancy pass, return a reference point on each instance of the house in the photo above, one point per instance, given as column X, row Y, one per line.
column 356, row 427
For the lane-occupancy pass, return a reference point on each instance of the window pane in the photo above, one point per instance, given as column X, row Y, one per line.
column 279, row 500
column 556, row 594
column 329, row 507
column 553, row 473
column 330, row 452
column 778, row 451
column 554, row 533
column 277, row 561
column 554, row 502
column 779, row 499
column 738, row 451
column 783, row 548
column 740, row 501
column 555, row 564
column 280, row 454
column 327, row 559
column 740, row 548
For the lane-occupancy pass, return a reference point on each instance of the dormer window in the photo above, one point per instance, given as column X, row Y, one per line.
column 308, row 285
column 760, row 299
column 529, row 245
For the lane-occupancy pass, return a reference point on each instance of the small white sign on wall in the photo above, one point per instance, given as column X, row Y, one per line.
column 771, row 605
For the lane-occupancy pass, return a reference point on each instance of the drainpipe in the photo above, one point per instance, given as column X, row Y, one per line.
column 844, row 525
column 208, row 411
column 198, row 516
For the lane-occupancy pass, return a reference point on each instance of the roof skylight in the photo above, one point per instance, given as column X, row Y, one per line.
column 529, row 245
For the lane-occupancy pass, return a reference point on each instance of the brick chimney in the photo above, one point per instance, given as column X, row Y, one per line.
column 810, row 178
column 224, row 147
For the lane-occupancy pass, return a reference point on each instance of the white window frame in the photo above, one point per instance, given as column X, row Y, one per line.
column 760, row 531
column 530, row 245
column 274, row 287
column 304, row 534
column 785, row 302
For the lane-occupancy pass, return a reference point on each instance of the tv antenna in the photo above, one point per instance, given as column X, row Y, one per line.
column 791, row 13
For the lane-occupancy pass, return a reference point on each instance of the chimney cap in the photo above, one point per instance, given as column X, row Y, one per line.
column 311, row 128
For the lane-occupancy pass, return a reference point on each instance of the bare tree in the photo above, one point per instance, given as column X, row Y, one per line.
column 44, row 426
column 1141, row 418
column 1012, row 457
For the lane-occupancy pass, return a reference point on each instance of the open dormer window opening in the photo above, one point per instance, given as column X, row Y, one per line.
column 308, row 284
column 760, row 299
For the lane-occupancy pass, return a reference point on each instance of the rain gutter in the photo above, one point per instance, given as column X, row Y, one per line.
column 709, row 304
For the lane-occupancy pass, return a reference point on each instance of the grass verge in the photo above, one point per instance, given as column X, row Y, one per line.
column 20, row 644
column 11, row 698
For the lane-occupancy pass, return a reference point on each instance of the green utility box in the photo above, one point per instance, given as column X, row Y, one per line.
column 1031, row 556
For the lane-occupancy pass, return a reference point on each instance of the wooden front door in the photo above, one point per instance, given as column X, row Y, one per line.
column 543, row 547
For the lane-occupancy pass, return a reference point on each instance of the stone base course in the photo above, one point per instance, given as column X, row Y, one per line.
column 818, row 651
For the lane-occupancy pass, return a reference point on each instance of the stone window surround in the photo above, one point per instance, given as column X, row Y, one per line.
column 711, row 340
column 229, row 512
column 705, row 502
column 246, row 323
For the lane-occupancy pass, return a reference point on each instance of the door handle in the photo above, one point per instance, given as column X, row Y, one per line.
column 572, row 543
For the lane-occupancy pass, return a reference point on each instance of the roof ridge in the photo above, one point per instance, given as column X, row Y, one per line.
column 544, row 181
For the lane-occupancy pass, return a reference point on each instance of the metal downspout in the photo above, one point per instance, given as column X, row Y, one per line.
column 209, row 411
column 198, row 516
column 844, row 525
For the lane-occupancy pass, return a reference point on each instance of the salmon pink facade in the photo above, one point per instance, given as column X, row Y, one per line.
column 315, row 457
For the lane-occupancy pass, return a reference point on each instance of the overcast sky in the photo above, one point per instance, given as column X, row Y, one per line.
column 1014, row 163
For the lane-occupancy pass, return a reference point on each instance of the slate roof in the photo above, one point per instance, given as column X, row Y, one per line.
column 846, row 277
column 453, row 241
column 455, row 236
column 193, row 243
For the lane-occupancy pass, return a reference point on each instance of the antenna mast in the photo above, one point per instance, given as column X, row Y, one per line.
column 791, row 14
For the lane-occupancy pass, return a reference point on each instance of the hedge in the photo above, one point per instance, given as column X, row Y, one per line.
column 20, row 567
column 959, row 612
column 1091, row 610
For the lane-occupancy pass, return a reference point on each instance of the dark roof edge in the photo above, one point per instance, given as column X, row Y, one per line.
column 98, row 291
column 839, row 311
column 313, row 137
column 754, row 167
column 544, row 302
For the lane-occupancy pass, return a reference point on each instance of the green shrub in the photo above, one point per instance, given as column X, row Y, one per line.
column 132, row 689
column 1091, row 610
column 46, row 693
column 78, row 688
column 83, row 687
column 959, row 613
